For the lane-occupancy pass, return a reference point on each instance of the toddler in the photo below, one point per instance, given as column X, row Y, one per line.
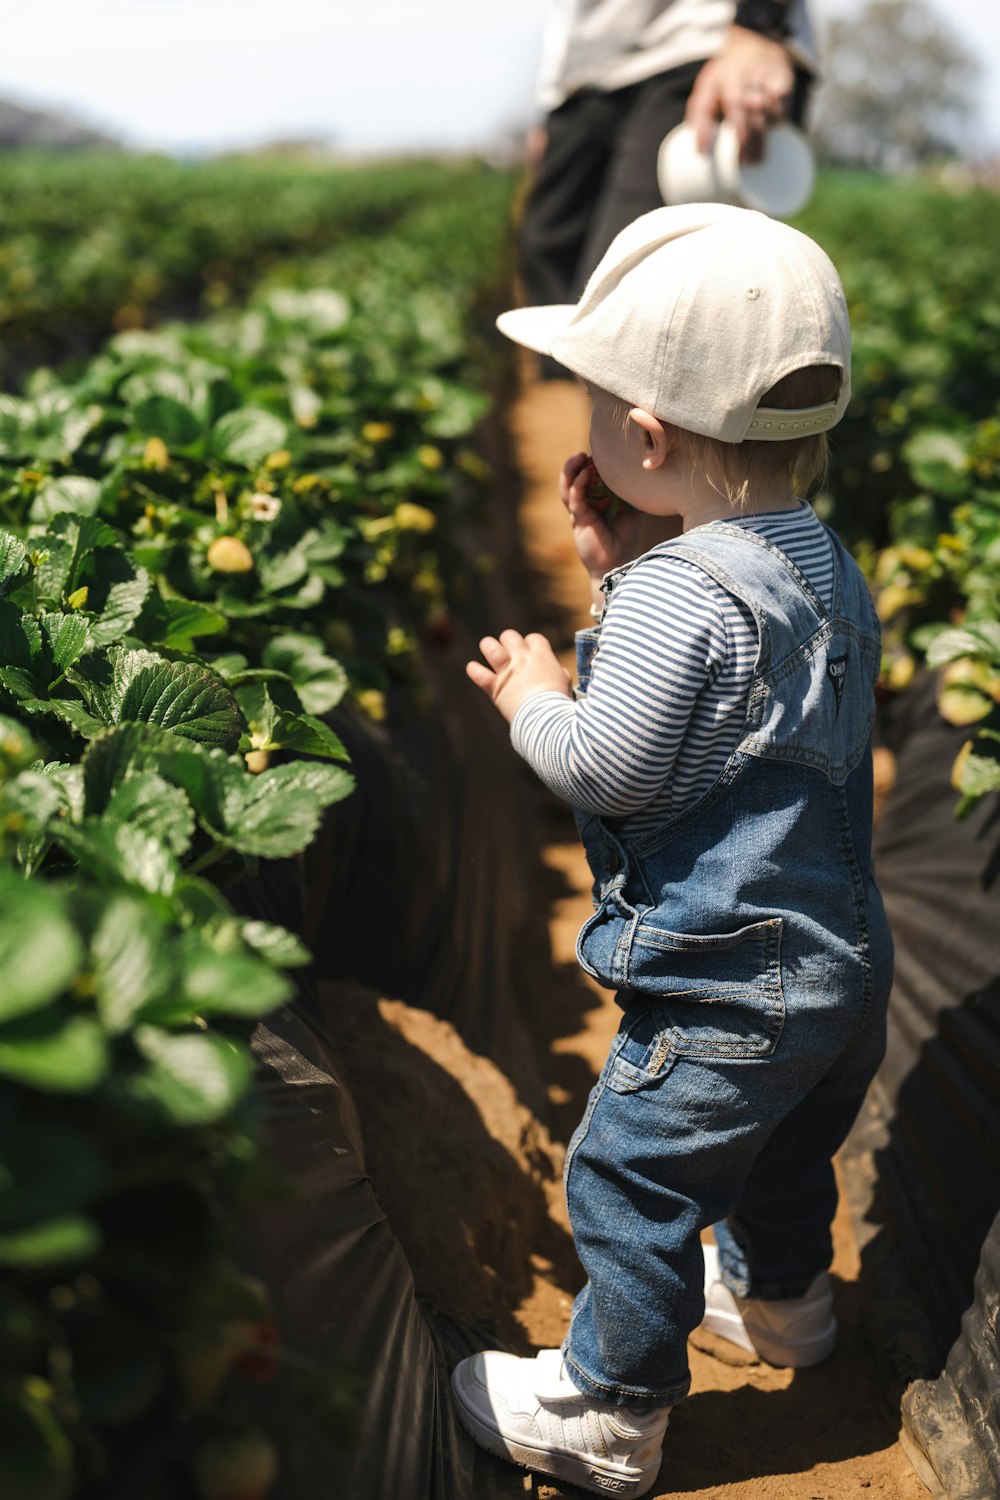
column 716, row 752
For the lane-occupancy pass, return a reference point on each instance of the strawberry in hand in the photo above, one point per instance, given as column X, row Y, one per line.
column 605, row 527
column 598, row 496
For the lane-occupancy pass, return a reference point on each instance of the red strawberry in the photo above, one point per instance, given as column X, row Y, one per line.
column 599, row 497
column 261, row 1360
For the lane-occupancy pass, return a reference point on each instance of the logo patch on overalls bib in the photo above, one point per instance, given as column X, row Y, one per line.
column 836, row 670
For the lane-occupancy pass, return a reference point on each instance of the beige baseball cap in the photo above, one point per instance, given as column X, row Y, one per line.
column 694, row 313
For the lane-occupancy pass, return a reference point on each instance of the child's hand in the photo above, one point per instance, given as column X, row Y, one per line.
column 519, row 667
column 606, row 533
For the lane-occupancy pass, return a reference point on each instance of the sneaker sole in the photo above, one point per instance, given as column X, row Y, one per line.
column 786, row 1355
column 575, row 1469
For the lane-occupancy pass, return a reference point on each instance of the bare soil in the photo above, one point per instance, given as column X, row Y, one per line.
column 474, row 1194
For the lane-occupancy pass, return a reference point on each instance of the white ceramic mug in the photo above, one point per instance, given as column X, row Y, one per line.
column 780, row 184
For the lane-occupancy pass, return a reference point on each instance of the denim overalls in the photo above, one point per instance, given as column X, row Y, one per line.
column 748, row 943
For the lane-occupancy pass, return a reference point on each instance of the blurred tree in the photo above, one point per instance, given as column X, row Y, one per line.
column 897, row 88
column 48, row 130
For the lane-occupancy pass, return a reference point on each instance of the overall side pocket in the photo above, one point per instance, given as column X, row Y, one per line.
column 715, row 995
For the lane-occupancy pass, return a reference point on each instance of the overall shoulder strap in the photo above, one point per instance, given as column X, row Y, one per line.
column 783, row 602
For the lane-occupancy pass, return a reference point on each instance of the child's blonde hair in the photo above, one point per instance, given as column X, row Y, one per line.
column 738, row 470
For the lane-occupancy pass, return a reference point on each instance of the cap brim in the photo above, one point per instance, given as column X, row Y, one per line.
column 536, row 327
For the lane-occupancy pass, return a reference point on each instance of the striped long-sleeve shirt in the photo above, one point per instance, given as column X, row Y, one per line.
column 667, row 700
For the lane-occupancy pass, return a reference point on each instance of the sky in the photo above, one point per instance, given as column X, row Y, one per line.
column 188, row 76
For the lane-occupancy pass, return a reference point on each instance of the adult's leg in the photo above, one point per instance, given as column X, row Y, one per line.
column 630, row 185
column 561, row 201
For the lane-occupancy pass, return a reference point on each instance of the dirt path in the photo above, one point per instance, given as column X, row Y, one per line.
column 747, row 1432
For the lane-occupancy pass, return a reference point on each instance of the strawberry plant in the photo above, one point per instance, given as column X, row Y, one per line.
column 938, row 588
column 92, row 243
column 212, row 535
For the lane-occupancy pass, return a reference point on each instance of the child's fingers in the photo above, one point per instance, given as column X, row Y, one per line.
column 481, row 676
column 582, row 513
column 496, row 653
column 569, row 472
column 511, row 642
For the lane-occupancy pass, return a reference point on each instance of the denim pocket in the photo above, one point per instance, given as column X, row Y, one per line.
column 644, row 1056
column 714, row 995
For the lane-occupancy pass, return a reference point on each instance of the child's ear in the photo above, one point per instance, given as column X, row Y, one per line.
column 654, row 437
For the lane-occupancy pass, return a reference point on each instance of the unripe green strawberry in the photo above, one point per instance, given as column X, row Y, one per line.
column 227, row 554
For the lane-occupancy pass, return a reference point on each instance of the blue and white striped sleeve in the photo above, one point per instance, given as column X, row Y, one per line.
column 662, row 641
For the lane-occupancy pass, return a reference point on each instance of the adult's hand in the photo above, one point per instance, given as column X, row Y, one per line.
column 749, row 83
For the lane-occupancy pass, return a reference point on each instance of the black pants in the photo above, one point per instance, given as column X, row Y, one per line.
column 597, row 174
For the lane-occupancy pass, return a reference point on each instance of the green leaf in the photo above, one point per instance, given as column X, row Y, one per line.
column 68, row 637
column 58, row 425
column 167, row 418
column 40, row 952
column 76, row 714
column 52, row 573
column 939, row 461
column 65, row 547
column 12, row 559
column 200, row 904
column 20, row 637
column 190, row 1079
column 56, row 1050
column 247, row 436
column 84, row 533
column 319, row 680
column 229, row 665
column 11, row 427
column 68, row 782
column 177, row 623
column 75, row 494
column 51, row 1243
column 949, row 645
column 280, row 570
column 238, row 984
column 110, row 757
column 27, row 802
column 279, row 946
column 263, row 818
column 277, row 813
column 203, row 774
column 130, row 961
column 306, row 734
column 117, row 595
column 111, row 853
column 146, row 802
column 318, row 309
column 187, row 699
column 328, row 784
column 979, row 775
column 457, row 409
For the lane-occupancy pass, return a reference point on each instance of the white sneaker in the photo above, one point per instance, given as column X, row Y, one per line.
column 796, row 1332
column 529, row 1411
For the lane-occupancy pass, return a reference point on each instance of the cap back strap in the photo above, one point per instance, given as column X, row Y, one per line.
column 772, row 424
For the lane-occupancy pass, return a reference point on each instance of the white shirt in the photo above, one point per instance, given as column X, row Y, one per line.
column 609, row 44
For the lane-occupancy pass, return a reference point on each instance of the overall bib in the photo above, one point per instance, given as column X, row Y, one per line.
column 748, row 944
